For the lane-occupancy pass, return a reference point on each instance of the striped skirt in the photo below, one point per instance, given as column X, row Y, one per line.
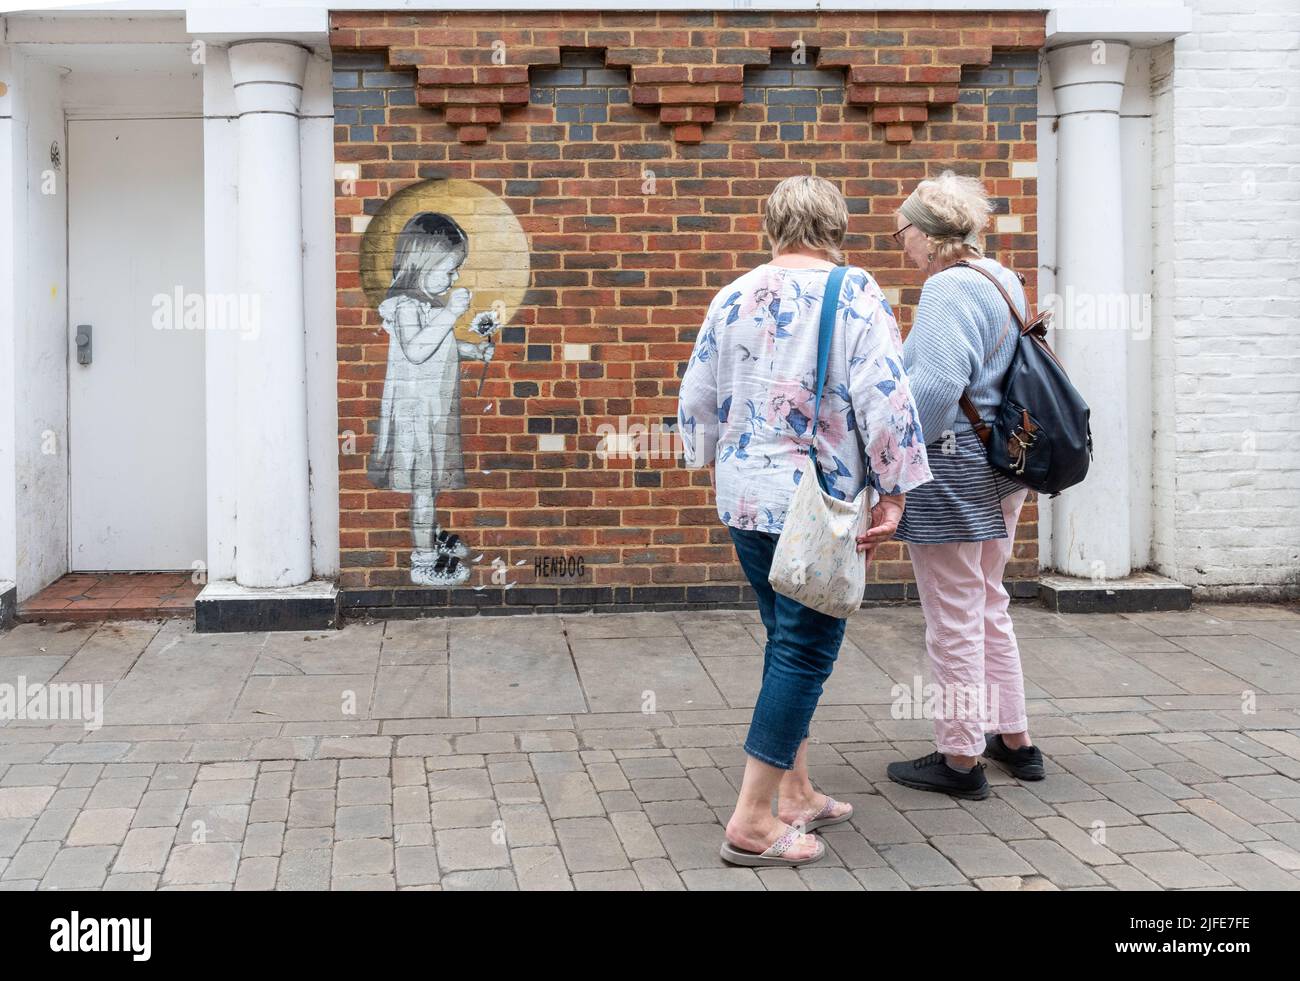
column 964, row 501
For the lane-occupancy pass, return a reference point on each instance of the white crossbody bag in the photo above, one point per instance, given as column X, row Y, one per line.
column 816, row 561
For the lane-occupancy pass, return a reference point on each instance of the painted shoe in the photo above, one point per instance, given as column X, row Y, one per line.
column 449, row 544
column 445, row 571
column 933, row 773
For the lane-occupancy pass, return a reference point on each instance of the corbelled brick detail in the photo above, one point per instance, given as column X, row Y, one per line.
column 632, row 226
column 476, row 67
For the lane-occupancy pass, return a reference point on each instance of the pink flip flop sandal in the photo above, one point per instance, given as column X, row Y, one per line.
column 824, row 818
column 774, row 855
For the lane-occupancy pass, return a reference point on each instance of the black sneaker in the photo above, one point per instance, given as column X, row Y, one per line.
column 933, row 773
column 1025, row 763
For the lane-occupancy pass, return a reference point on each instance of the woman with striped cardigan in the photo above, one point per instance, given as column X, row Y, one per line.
column 961, row 526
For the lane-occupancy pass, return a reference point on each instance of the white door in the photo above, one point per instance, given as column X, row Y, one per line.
column 137, row 496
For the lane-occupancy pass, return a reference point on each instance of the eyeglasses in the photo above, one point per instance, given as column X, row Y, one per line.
column 898, row 235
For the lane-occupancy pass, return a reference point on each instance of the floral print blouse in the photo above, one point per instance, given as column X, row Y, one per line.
column 746, row 397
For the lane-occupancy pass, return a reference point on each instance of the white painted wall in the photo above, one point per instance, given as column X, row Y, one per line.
column 39, row 329
column 220, row 160
column 1227, row 366
column 1164, row 527
column 8, row 318
column 1136, row 177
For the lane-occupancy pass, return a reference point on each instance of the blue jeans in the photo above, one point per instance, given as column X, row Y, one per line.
column 802, row 645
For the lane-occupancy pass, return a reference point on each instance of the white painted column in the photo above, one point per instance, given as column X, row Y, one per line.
column 273, row 533
column 1046, row 257
column 1090, row 526
column 9, row 179
column 1136, row 168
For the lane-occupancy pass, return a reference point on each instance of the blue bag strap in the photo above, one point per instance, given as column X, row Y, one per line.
column 825, row 330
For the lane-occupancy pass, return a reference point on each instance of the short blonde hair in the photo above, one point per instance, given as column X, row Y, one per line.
column 806, row 212
column 961, row 209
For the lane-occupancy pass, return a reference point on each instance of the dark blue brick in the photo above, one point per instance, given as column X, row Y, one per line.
column 578, row 58
column 568, row 114
column 359, row 59
column 804, row 114
column 541, row 97
column 1009, row 131
column 386, row 80
column 359, row 98
column 373, row 117
column 539, row 352
column 559, row 76
column 999, row 114
column 623, row 277
column 618, row 97
column 780, row 114
column 1028, row 77
column 570, row 97
column 792, row 97
column 646, row 151
column 791, row 131
column 347, row 117
column 1007, row 96
column 819, row 78
column 971, row 97
column 595, row 114
column 345, row 80
column 769, row 76
column 579, row 134
column 401, row 97
column 1025, row 114
column 512, row 335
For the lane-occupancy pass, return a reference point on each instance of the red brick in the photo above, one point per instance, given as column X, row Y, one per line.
column 630, row 273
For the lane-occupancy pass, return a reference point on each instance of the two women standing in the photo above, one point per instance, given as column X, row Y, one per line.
column 745, row 405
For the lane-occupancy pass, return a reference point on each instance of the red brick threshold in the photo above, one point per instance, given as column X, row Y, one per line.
column 113, row 596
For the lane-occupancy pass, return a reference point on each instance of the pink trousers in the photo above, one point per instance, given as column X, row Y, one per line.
column 976, row 683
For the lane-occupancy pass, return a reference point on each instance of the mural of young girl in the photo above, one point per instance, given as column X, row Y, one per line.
column 417, row 444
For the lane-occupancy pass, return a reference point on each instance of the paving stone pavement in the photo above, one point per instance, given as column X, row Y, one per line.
column 603, row 752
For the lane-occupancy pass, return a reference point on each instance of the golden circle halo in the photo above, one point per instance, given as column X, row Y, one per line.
column 496, row 271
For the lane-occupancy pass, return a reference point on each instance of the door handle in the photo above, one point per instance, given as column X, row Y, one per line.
column 84, row 332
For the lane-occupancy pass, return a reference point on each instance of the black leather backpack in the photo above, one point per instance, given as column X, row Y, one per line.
column 1040, row 437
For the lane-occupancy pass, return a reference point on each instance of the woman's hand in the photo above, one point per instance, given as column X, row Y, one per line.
column 884, row 522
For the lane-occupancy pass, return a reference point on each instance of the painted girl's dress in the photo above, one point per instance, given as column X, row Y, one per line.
column 746, row 396
column 417, row 443
column 417, row 439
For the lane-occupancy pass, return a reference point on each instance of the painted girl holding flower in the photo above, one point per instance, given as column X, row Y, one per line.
column 417, row 443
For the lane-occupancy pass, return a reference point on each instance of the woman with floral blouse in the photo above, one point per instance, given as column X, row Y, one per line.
column 745, row 405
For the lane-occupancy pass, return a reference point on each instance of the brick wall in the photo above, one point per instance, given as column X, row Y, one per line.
column 634, row 151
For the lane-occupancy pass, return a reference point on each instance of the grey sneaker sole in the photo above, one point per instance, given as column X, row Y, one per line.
column 978, row 793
